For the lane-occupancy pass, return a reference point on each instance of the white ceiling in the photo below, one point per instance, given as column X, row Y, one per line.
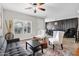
column 53, row 10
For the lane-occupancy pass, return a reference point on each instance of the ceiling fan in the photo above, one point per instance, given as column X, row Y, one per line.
column 36, row 6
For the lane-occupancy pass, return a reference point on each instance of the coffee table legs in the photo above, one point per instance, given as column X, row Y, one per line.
column 26, row 45
column 33, row 50
column 33, row 53
column 42, row 48
column 41, row 51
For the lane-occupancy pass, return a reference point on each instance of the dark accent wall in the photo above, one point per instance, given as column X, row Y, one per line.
column 62, row 25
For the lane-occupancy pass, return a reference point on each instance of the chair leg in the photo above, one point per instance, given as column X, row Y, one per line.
column 49, row 42
column 53, row 46
column 33, row 53
column 62, row 46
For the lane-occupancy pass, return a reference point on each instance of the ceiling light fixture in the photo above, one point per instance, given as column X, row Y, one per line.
column 36, row 6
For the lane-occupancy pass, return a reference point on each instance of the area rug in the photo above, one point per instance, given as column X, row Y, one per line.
column 56, row 52
column 53, row 53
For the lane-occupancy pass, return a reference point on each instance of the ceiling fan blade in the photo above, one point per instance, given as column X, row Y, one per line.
column 38, row 3
column 36, row 6
column 29, row 8
column 41, row 3
column 42, row 9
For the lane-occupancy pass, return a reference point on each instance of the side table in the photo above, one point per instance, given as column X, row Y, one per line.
column 44, row 43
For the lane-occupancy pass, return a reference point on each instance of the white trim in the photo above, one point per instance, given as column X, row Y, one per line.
column 24, row 22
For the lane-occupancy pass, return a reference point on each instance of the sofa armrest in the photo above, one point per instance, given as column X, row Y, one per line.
column 13, row 40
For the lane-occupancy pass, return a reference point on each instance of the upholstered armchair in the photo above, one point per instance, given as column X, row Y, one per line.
column 57, row 38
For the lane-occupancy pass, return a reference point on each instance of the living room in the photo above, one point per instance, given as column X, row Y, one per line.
column 27, row 29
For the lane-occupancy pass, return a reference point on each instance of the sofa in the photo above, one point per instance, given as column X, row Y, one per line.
column 12, row 48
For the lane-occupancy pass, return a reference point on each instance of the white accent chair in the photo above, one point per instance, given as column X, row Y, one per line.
column 57, row 38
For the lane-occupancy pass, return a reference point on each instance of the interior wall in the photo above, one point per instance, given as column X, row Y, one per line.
column 0, row 14
column 37, row 23
column 63, row 24
column 1, row 20
column 78, row 23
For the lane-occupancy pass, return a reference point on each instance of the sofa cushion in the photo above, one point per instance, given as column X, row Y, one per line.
column 3, row 45
column 1, row 41
column 12, row 49
column 17, row 52
column 14, row 45
column 3, row 48
column 1, row 53
column 15, row 49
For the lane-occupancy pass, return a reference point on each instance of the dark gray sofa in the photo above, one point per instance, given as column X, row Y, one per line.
column 12, row 48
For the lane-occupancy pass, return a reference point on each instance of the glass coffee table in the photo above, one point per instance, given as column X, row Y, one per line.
column 34, row 45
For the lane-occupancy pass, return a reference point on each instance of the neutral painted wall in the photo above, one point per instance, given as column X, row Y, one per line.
column 37, row 23
column 78, row 23
column 1, row 14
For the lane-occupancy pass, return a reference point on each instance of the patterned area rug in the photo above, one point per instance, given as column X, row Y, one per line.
column 67, row 51
column 56, row 52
